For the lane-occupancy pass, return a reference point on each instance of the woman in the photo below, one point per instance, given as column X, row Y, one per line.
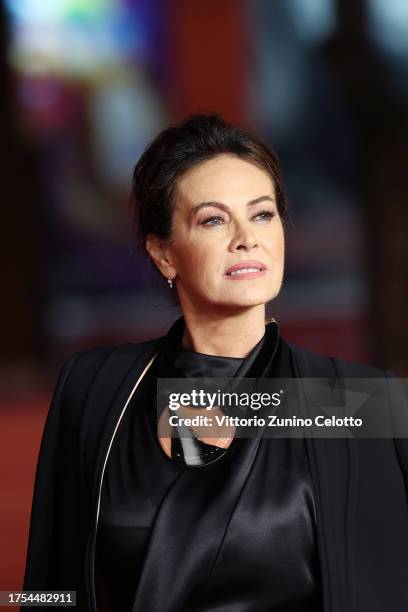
column 123, row 516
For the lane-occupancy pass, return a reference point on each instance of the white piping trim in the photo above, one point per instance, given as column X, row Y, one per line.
column 107, row 455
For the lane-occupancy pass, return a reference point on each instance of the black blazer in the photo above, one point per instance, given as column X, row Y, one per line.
column 360, row 486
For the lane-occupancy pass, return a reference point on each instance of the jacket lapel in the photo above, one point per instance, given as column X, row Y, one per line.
column 333, row 463
column 108, row 398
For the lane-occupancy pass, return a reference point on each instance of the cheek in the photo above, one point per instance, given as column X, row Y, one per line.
column 195, row 258
column 280, row 247
column 277, row 245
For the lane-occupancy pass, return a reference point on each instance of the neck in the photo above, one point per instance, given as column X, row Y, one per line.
column 233, row 335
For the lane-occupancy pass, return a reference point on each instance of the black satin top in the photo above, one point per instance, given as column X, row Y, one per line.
column 237, row 535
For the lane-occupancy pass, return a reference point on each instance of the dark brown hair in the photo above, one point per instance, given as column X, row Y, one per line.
column 175, row 151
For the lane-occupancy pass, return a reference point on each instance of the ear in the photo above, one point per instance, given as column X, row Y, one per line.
column 158, row 251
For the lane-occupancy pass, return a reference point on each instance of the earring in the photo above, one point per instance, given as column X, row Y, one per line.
column 170, row 281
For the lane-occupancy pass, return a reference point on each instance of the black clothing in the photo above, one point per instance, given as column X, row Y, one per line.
column 213, row 516
column 360, row 487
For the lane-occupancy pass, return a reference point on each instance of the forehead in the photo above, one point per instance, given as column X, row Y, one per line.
column 226, row 179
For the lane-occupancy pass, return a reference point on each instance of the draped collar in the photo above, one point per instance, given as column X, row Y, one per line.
column 173, row 362
column 254, row 365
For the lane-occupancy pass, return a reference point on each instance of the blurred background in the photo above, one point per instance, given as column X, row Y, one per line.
column 87, row 84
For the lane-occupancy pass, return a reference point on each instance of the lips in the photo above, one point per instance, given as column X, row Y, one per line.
column 246, row 265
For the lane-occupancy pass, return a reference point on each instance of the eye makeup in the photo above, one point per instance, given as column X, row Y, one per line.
column 267, row 215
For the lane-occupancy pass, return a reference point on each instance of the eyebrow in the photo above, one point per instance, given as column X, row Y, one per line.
column 262, row 198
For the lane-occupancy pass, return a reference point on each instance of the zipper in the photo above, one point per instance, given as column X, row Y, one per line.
column 91, row 562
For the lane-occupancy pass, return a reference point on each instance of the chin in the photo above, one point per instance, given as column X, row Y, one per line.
column 254, row 297
column 253, row 300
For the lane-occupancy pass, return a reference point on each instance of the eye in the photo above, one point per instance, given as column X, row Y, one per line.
column 213, row 218
column 265, row 215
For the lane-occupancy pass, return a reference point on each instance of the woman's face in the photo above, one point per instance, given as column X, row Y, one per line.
column 225, row 214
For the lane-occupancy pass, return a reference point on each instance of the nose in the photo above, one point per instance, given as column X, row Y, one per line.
column 244, row 238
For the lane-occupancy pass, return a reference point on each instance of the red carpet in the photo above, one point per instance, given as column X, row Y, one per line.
column 21, row 424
